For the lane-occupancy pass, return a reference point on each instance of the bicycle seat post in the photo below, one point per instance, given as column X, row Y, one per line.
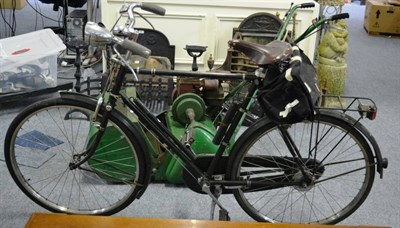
column 195, row 51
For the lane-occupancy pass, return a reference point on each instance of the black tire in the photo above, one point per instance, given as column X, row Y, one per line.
column 41, row 143
column 342, row 169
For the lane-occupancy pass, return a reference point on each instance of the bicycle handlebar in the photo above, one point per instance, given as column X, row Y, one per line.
column 153, row 8
column 130, row 9
column 307, row 5
column 339, row 16
column 135, row 48
column 289, row 15
column 320, row 22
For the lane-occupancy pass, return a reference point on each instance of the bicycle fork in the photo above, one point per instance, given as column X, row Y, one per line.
column 88, row 153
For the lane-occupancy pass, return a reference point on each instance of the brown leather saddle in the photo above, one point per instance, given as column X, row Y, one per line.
column 273, row 52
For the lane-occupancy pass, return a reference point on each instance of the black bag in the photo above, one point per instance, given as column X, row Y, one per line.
column 290, row 94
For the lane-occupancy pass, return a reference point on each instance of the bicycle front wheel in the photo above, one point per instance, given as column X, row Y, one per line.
column 44, row 140
column 336, row 159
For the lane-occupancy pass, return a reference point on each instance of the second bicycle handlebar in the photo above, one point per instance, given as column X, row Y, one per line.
column 339, row 16
column 152, row 8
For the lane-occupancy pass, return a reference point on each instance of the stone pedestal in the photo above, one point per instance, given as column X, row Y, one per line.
column 332, row 78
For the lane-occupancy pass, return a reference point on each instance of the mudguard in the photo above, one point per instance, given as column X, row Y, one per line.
column 382, row 163
column 93, row 101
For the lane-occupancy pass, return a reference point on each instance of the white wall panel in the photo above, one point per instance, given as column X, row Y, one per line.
column 224, row 25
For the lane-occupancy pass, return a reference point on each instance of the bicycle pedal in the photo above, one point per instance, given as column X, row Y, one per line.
column 224, row 215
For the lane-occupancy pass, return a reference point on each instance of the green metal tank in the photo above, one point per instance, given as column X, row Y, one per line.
column 121, row 165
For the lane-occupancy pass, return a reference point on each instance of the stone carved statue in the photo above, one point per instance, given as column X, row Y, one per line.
column 332, row 67
column 334, row 45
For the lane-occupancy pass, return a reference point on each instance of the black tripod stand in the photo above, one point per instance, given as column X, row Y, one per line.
column 77, row 45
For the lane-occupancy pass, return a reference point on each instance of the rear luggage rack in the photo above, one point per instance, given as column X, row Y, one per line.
column 365, row 107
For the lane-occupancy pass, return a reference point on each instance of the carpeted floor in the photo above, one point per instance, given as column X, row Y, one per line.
column 373, row 71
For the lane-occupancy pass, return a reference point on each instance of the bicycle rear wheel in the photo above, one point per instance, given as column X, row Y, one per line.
column 333, row 153
column 46, row 138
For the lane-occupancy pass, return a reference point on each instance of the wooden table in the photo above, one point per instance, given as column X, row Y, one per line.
column 63, row 220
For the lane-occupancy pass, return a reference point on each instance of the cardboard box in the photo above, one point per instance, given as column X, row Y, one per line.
column 381, row 17
column 8, row 4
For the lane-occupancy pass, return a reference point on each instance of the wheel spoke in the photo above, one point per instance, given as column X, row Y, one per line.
column 335, row 180
column 41, row 164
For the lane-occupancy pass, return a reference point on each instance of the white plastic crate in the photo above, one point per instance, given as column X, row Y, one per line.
column 29, row 61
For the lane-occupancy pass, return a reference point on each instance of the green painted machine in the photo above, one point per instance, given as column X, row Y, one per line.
column 188, row 120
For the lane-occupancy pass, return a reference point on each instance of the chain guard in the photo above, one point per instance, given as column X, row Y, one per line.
column 203, row 162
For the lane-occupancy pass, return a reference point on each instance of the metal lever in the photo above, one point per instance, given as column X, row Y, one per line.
column 195, row 52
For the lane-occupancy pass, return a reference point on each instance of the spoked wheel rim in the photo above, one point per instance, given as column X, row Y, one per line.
column 53, row 184
column 338, row 184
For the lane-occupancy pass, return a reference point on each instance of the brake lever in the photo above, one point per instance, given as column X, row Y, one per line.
column 122, row 59
column 124, row 9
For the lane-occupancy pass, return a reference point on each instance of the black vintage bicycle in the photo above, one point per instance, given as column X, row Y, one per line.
column 83, row 155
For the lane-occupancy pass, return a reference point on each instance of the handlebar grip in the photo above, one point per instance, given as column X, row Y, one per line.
column 307, row 5
column 135, row 48
column 153, row 8
column 340, row 16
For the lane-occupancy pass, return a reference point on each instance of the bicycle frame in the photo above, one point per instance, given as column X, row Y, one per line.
column 204, row 179
column 284, row 168
column 225, row 135
column 164, row 134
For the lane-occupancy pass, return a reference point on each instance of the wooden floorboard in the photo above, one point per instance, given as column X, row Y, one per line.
column 63, row 221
